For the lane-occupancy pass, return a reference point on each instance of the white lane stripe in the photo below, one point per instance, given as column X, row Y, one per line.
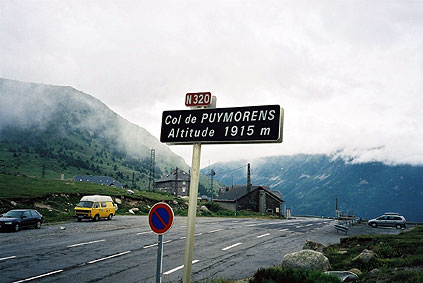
column 146, row 232
column 9, row 257
column 264, row 235
column 299, row 226
column 217, row 230
column 283, row 230
column 251, row 225
column 308, row 225
column 156, row 244
column 87, row 243
column 179, row 267
column 182, row 238
column 150, row 246
column 198, row 234
column 39, row 276
column 230, row 247
column 108, row 257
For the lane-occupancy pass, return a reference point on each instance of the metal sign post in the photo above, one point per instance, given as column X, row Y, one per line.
column 192, row 209
column 159, row 260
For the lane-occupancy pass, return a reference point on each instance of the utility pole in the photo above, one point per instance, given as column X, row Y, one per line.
column 152, row 165
column 176, row 182
column 212, row 173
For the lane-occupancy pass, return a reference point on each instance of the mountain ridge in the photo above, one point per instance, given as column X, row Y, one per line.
column 73, row 131
column 310, row 184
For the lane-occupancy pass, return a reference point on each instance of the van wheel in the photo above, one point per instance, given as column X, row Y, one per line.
column 96, row 218
column 38, row 225
column 374, row 225
column 398, row 226
column 110, row 216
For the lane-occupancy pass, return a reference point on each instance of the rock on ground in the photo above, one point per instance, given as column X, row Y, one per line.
column 306, row 259
column 315, row 246
column 365, row 256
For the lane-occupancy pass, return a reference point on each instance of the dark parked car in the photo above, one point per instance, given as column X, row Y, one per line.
column 20, row 218
column 389, row 219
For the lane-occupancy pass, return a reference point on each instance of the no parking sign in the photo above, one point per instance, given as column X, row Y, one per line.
column 160, row 218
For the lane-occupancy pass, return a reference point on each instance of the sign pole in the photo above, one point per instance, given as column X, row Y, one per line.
column 159, row 260
column 192, row 210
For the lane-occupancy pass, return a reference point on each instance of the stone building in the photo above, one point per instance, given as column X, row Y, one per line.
column 254, row 198
column 176, row 183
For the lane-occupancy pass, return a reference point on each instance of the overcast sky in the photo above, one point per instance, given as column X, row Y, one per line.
column 349, row 74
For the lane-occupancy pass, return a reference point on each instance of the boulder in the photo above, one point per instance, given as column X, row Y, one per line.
column 306, row 259
column 204, row 208
column 13, row 203
column 130, row 192
column 315, row 246
column 365, row 256
column 135, row 209
column 118, row 201
column 131, row 211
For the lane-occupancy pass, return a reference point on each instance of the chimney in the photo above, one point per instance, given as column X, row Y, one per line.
column 248, row 178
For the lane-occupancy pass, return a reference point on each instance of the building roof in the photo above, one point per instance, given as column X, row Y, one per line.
column 103, row 180
column 237, row 192
column 182, row 176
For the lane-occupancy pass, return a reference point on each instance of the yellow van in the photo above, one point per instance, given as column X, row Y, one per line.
column 95, row 207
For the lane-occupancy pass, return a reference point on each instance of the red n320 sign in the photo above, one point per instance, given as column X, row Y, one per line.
column 198, row 99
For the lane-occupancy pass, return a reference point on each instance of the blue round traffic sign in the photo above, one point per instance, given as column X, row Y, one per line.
column 160, row 218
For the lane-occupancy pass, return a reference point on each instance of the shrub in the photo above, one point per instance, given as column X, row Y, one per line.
column 288, row 275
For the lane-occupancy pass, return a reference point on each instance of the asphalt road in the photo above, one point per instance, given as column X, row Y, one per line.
column 125, row 249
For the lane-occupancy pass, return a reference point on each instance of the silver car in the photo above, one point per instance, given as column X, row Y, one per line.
column 389, row 219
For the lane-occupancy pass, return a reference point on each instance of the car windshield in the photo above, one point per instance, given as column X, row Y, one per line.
column 85, row 204
column 13, row 214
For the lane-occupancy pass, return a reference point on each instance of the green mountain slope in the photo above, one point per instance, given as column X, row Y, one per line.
column 48, row 130
column 310, row 184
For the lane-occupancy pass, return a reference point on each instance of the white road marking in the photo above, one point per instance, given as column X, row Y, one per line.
column 108, row 257
column 230, row 247
column 182, row 238
column 264, row 235
column 198, row 234
column 217, row 230
column 299, row 226
column 179, row 267
column 146, row 232
column 39, row 276
column 87, row 243
column 9, row 257
column 150, row 246
column 308, row 225
column 283, row 230
column 251, row 225
column 156, row 244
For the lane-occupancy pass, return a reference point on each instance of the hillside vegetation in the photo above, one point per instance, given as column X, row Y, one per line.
column 56, row 199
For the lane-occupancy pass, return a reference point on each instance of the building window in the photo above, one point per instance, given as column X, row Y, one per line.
column 184, row 189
